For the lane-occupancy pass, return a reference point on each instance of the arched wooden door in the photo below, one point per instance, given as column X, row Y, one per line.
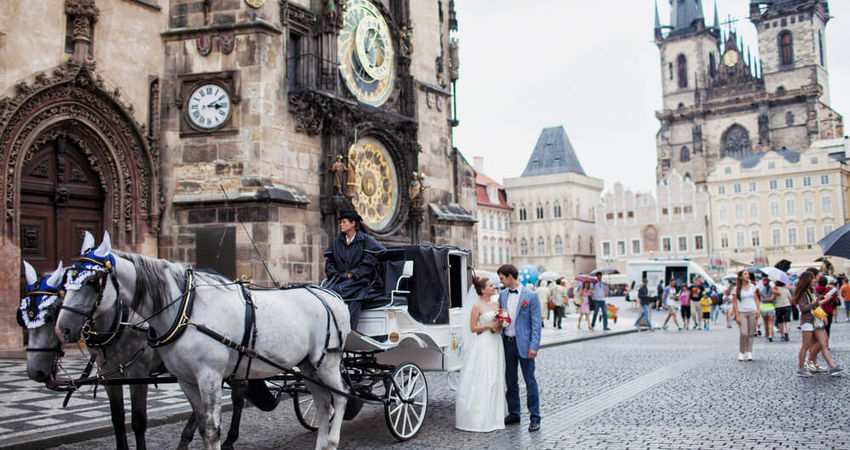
column 61, row 198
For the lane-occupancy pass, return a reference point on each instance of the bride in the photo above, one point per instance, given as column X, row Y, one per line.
column 480, row 402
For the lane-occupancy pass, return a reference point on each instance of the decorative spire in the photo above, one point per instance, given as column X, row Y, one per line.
column 657, row 17
column 683, row 14
column 716, row 17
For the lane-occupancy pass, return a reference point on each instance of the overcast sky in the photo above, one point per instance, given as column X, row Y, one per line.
column 591, row 66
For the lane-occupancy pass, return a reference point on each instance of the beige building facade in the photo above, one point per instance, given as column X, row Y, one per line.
column 171, row 123
column 493, row 230
column 552, row 225
column 672, row 223
column 780, row 203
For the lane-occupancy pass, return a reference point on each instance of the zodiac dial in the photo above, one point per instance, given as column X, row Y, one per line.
column 376, row 190
column 366, row 55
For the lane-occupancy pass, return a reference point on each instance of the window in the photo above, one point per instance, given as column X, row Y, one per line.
column 754, row 210
column 523, row 247
column 712, row 65
column 753, row 186
column 722, row 212
column 736, row 188
column 539, row 212
column 792, row 236
column 541, row 246
column 736, row 142
column 776, row 237
column 826, row 203
column 556, row 212
column 790, row 207
column 609, row 217
column 772, row 165
column 667, row 244
column 698, row 242
column 824, row 180
column 775, row 208
column 814, row 160
column 491, row 222
column 773, row 185
column 739, row 211
column 721, row 190
column 620, row 215
column 508, row 255
column 501, row 255
column 724, row 240
column 808, row 205
column 786, row 52
column 670, row 67
column 486, row 256
column 689, row 209
column 727, row 170
column 523, row 215
column 677, row 210
column 820, row 48
column 559, row 245
column 810, row 234
column 682, row 69
column 807, row 181
column 606, row 248
column 754, row 234
column 664, row 211
column 683, row 243
column 493, row 255
column 630, row 214
column 636, row 246
column 827, row 228
column 578, row 245
column 789, row 183
column 685, row 155
column 740, row 239
column 621, row 247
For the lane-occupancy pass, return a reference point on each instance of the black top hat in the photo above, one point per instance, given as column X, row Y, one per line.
column 350, row 214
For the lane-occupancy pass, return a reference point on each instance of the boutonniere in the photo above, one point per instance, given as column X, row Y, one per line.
column 524, row 303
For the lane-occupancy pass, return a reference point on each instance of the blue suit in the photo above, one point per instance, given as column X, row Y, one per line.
column 527, row 324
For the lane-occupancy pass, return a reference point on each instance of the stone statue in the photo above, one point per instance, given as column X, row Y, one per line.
column 351, row 179
column 406, row 40
column 338, row 169
column 413, row 188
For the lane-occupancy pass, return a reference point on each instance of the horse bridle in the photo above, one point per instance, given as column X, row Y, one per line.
column 57, row 349
column 104, row 271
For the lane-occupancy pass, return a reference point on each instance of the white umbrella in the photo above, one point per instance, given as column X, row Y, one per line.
column 550, row 276
column 776, row 275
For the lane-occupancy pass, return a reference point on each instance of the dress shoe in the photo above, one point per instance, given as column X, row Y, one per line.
column 534, row 426
column 511, row 419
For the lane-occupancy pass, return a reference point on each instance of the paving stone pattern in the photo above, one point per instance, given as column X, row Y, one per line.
column 664, row 389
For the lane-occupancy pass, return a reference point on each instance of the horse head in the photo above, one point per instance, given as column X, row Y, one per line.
column 90, row 288
column 37, row 315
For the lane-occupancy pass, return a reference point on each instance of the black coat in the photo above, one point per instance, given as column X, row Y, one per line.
column 358, row 258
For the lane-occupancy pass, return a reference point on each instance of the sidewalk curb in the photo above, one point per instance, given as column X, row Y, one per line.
column 588, row 337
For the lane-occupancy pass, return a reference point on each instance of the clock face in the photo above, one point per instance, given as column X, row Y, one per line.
column 730, row 58
column 376, row 190
column 208, row 106
column 366, row 55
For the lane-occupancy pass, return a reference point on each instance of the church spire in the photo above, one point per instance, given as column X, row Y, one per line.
column 683, row 13
column 716, row 17
column 658, row 35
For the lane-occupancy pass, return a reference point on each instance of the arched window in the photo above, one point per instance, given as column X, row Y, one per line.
column 539, row 211
column 736, row 142
column 541, row 246
column 556, row 210
column 559, row 245
column 682, row 69
column 786, row 48
column 523, row 247
column 578, row 245
column 590, row 245
column 712, row 65
column 820, row 48
column 523, row 214
column 686, row 155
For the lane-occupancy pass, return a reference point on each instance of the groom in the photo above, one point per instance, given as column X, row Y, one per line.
column 521, row 339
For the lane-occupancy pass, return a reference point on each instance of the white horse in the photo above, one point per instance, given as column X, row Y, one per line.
column 295, row 327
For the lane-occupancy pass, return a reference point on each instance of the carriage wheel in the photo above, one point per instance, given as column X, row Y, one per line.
column 306, row 411
column 404, row 419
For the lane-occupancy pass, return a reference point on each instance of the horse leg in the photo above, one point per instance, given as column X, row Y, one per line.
column 197, row 419
column 188, row 431
column 116, row 410
column 237, row 398
column 209, row 393
column 139, row 413
column 322, row 401
column 330, row 374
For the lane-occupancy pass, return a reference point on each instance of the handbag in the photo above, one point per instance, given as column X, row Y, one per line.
column 550, row 304
column 819, row 313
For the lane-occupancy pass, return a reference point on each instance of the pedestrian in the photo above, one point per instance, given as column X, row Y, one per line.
column 745, row 306
column 705, row 306
column 767, row 307
column 543, row 292
column 727, row 304
column 830, row 305
column 716, row 302
column 585, row 293
column 670, row 299
column 844, row 292
column 633, row 296
column 814, row 333
column 558, row 294
column 685, row 305
column 600, row 292
column 782, row 300
column 696, row 295
column 645, row 303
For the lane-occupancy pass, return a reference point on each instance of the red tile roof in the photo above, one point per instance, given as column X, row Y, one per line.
column 481, row 183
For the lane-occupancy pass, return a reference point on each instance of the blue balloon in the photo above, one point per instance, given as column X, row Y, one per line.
column 528, row 274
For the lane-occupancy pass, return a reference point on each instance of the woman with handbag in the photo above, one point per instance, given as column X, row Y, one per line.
column 584, row 307
column 812, row 318
column 745, row 306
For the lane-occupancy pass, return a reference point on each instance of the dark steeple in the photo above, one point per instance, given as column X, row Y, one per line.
column 683, row 13
column 553, row 154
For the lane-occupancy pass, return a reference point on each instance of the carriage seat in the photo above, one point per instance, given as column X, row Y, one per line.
column 394, row 275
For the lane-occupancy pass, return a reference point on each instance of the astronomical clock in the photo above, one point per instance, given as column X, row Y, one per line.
column 375, row 192
column 366, row 55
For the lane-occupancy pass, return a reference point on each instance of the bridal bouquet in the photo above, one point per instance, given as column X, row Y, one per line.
column 503, row 319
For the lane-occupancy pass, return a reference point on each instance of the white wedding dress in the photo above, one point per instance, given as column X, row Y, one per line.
column 480, row 402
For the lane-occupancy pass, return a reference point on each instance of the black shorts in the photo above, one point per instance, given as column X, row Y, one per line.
column 783, row 314
column 706, row 315
column 686, row 312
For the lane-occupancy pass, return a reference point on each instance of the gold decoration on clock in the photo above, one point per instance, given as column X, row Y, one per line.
column 255, row 3
column 375, row 193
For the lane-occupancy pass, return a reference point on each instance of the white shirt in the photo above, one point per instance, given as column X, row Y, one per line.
column 747, row 302
column 513, row 307
column 347, row 240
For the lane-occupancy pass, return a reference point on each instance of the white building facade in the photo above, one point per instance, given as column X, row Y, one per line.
column 673, row 224
column 493, row 230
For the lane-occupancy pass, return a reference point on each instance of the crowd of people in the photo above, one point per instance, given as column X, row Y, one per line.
column 761, row 307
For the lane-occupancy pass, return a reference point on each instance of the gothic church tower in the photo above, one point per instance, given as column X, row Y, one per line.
column 719, row 100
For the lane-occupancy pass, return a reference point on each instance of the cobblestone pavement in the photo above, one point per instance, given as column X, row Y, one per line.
column 664, row 389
